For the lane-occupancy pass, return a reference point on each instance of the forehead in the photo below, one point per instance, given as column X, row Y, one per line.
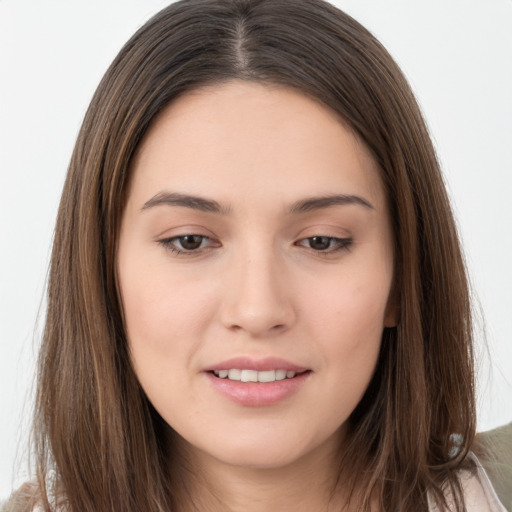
column 245, row 135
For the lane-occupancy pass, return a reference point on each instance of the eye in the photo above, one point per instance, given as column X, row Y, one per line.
column 326, row 243
column 187, row 244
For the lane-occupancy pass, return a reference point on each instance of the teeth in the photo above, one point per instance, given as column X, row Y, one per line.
column 248, row 376
column 254, row 376
column 280, row 374
column 269, row 376
column 234, row 374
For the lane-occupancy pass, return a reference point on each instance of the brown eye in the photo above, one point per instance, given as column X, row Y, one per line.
column 320, row 243
column 190, row 242
column 326, row 244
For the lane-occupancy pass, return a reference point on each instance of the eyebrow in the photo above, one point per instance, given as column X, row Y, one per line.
column 318, row 203
column 187, row 201
column 211, row 206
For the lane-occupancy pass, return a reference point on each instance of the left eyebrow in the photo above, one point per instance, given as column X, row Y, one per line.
column 318, row 203
column 195, row 202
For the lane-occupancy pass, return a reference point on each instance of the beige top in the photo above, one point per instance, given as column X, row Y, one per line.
column 479, row 493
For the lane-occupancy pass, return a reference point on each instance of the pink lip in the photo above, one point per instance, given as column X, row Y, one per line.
column 257, row 394
column 260, row 365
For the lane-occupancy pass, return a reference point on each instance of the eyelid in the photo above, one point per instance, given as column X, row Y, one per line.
column 330, row 230
column 168, row 243
column 341, row 244
column 337, row 240
column 184, row 229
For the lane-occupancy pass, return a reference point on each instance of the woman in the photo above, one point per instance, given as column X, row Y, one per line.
column 257, row 297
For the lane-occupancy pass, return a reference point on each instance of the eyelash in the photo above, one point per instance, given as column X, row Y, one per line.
column 335, row 244
column 170, row 244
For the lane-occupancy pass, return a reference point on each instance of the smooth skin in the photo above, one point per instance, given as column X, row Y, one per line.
column 261, row 269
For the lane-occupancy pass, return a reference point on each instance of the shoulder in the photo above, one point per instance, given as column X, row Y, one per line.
column 23, row 499
column 494, row 449
column 26, row 499
column 15, row 505
column 479, row 494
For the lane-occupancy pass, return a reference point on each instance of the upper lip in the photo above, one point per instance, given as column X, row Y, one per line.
column 260, row 365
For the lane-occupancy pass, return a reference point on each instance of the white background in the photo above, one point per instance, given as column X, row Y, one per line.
column 457, row 55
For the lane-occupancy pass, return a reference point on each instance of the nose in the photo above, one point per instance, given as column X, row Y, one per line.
column 257, row 296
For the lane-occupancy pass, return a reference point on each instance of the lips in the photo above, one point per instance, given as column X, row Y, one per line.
column 259, row 365
column 257, row 382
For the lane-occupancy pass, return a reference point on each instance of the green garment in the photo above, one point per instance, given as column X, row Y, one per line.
column 495, row 453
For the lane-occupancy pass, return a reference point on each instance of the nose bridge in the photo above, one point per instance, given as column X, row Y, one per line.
column 258, row 300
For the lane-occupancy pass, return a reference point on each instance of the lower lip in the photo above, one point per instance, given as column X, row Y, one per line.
column 257, row 394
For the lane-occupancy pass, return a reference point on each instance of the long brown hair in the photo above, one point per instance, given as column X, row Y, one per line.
column 99, row 443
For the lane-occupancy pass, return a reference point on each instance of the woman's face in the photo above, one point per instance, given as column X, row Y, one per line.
column 256, row 243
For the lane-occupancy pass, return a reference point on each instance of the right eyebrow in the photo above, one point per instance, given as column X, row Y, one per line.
column 318, row 203
column 188, row 201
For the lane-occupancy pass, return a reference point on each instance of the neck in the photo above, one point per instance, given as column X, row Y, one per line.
column 210, row 485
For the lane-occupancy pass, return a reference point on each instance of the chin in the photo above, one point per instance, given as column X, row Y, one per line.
column 259, row 458
column 263, row 448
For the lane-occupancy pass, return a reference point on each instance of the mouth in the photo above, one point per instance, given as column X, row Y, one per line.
column 265, row 376
column 255, row 382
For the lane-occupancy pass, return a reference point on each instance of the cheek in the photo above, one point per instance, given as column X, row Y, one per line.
column 347, row 320
column 356, row 327
column 164, row 312
column 165, row 328
column 352, row 307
